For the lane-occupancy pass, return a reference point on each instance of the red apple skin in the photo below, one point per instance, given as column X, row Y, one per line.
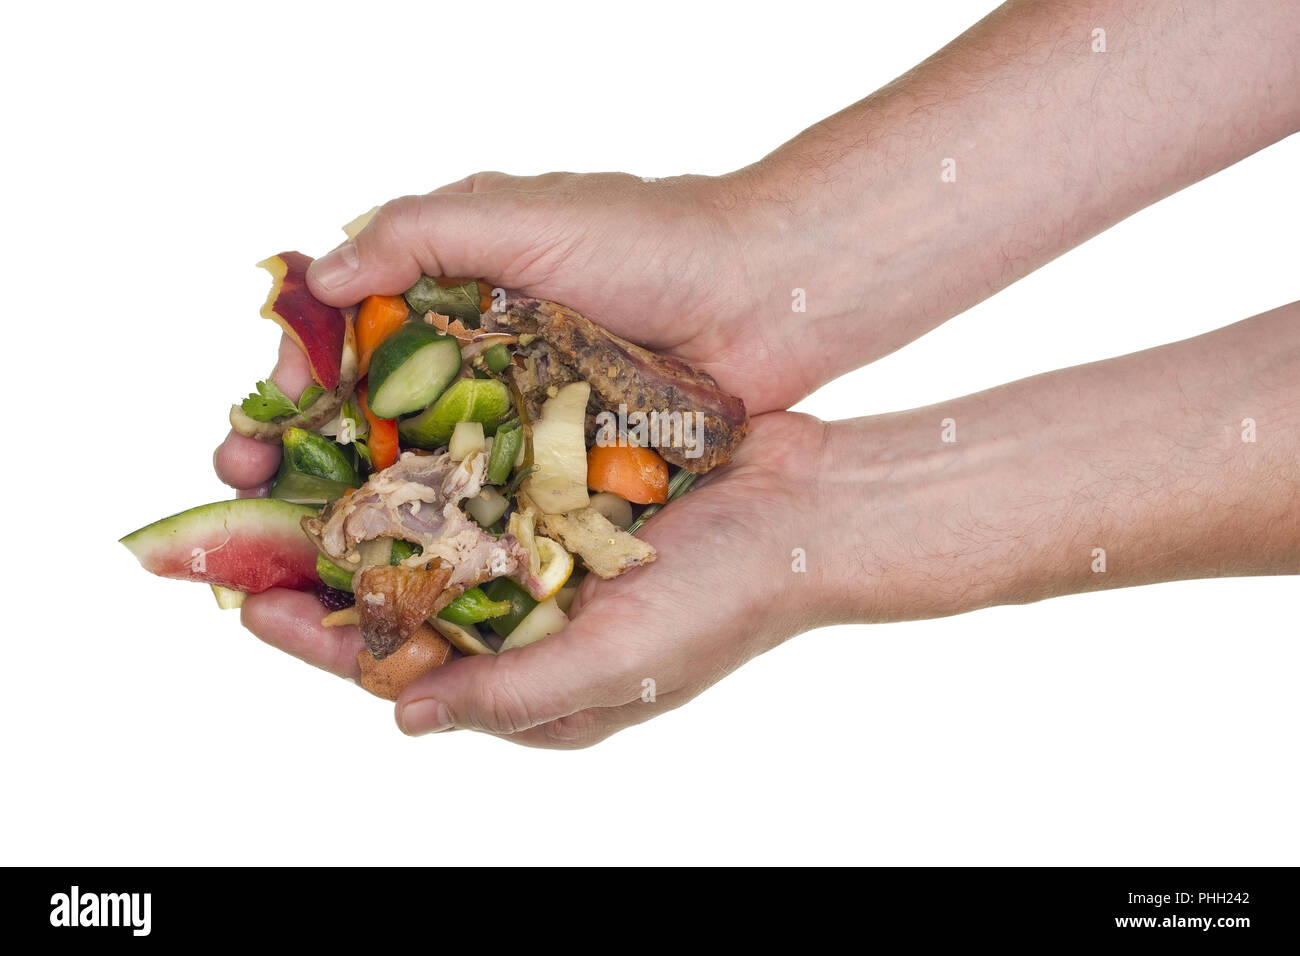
column 317, row 328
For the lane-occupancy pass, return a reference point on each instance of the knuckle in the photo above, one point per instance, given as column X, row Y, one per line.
column 486, row 180
column 499, row 705
column 574, row 732
column 389, row 222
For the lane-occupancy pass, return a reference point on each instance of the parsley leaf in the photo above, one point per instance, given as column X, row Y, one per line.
column 308, row 397
column 268, row 402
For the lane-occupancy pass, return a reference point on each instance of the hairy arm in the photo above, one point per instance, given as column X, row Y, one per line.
column 1178, row 462
column 1041, row 126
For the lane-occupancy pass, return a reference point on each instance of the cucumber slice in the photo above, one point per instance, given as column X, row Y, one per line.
column 411, row 368
column 485, row 401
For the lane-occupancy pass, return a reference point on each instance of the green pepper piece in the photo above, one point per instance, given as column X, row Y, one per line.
column 473, row 607
column 403, row 550
column 331, row 574
column 504, row 589
column 505, row 449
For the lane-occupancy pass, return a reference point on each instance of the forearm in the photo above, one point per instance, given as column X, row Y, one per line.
column 1008, row 147
column 1179, row 462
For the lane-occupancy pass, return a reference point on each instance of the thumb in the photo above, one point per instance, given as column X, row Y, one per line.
column 441, row 234
column 580, row 667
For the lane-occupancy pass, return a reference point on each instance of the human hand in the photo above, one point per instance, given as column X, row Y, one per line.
column 896, row 524
column 676, row 265
column 721, row 591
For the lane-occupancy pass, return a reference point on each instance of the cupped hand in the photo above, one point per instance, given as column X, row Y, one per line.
column 725, row 588
column 678, row 265
column 684, row 265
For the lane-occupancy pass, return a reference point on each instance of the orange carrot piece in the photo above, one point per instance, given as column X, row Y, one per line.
column 637, row 474
column 378, row 318
column 383, row 434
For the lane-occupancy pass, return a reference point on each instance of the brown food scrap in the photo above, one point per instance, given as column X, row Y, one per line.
column 394, row 601
column 623, row 373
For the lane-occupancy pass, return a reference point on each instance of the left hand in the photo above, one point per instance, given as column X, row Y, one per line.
column 721, row 592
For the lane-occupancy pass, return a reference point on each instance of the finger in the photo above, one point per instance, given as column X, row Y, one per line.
column 291, row 621
column 243, row 462
column 593, row 662
column 478, row 183
column 591, row 726
column 441, row 234
column 489, row 181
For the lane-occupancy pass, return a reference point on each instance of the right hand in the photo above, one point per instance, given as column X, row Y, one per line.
column 679, row 265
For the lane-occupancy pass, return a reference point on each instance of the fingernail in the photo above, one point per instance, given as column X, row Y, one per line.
column 336, row 268
column 426, row 716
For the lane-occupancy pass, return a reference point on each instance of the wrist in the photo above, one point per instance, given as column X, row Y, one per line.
column 1131, row 471
column 916, row 527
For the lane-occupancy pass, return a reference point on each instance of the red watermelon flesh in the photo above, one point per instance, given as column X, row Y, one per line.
column 249, row 544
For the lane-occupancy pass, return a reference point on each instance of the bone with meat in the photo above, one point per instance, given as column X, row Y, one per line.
column 416, row 499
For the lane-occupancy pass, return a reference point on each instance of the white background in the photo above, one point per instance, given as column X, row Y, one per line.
column 152, row 156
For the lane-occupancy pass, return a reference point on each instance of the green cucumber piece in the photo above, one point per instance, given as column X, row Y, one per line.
column 411, row 368
column 504, row 589
column 505, row 449
column 318, row 456
column 497, row 358
column 313, row 469
column 290, row 485
column 331, row 574
column 485, row 401
column 474, row 606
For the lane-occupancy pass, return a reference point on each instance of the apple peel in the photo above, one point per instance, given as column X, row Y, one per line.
column 305, row 319
column 318, row 329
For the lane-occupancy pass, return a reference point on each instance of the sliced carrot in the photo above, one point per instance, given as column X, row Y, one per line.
column 631, row 472
column 383, row 434
column 378, row 318
column 484, row 296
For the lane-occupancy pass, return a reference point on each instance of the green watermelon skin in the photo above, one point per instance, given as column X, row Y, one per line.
column 249, row 544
